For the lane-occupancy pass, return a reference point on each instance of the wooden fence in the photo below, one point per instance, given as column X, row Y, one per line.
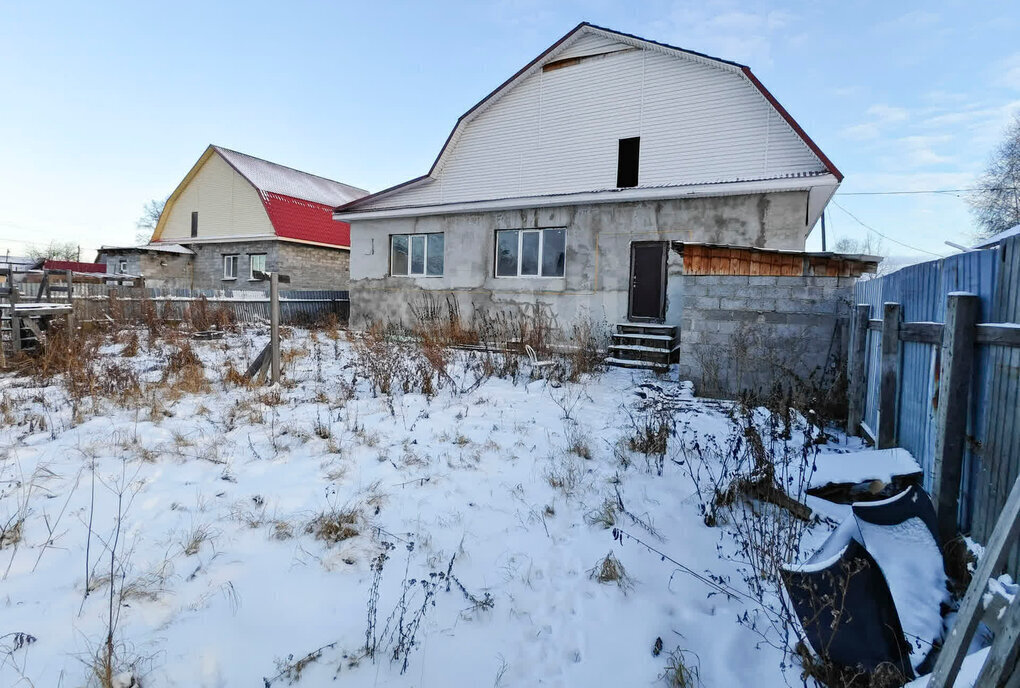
column 935, row 368
column 99, row 301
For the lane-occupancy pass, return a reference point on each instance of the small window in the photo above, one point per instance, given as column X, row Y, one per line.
column 194, row 224
column 530, row 252
column 257, row 262
column 230, row 267
column 122, row 267
column 627, row 162
column 417, row 254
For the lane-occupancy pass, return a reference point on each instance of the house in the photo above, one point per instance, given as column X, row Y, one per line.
column 565, row 188
column 162, row 264
column 234, row 214
column 17, row 263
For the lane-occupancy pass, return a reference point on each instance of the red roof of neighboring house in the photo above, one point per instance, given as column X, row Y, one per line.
column 299, row 205
column 74, row 266
column 294, row 218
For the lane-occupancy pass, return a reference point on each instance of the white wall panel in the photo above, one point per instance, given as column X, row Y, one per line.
column 557, row 131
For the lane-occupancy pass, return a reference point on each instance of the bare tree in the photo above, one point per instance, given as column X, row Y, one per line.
column 996, row 205
column 55, row 250
column 146, row 224
column 870, row 245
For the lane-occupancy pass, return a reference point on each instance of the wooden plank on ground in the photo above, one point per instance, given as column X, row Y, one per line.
column 1001, row 660
column 954, row 649
column 257, row 364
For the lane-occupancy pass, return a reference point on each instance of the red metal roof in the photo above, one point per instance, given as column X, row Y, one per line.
column 294, row 218
column 74, row 266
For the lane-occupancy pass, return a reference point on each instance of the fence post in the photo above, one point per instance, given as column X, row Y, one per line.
column 70, row 300
column 889, row 390
column 274, row 325
column 951, row 417
column 15, row 320
column 858, row 374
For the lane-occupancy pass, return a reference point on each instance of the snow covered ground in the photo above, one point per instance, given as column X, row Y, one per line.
column 220, row 578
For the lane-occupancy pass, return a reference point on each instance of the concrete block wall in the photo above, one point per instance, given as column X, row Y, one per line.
column 309, row 267
column 746, row 333
column 315, row 267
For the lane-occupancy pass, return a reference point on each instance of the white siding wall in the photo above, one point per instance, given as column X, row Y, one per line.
column 557, row 131
column 227, row 205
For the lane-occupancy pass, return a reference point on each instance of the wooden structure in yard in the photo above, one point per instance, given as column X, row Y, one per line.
column 24, row 322
column 1000, row 668
column 719, row 259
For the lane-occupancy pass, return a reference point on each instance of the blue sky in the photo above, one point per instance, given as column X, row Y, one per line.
column 104, row 106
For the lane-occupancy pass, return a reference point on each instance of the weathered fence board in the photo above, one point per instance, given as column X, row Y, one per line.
column 991, row 437
column 96, row 301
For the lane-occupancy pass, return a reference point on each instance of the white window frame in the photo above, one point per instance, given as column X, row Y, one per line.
column 122, row 266
column 251, row 265
column 425, row 262
column 230, row 259
column 520, row 252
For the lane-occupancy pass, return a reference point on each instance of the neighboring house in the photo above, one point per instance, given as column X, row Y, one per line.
column 161, row 264
column 233, row 214
column 17, row 263
column 563, row 188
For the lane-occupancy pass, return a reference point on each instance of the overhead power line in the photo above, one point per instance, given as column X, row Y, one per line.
column 925, row 191
column 889, row 238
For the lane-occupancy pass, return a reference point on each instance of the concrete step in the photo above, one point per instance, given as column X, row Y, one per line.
column 641, row 353
column 646, row 328
column 639, row 335
column 627, row 363
column 664, row 343
column 639, row 348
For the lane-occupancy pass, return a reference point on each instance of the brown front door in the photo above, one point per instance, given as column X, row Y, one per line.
column 648, row 281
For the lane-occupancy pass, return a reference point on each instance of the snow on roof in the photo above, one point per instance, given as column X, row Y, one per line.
column 17, row 260
column 159, row 248
column 270, row 177
column 996, row 238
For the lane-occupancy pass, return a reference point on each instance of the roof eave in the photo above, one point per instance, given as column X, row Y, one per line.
column 602, row 196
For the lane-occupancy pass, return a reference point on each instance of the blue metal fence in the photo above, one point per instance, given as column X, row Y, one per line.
column 921, row 291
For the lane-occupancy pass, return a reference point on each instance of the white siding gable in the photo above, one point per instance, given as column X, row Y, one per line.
column 227, row 206
column 557, row 131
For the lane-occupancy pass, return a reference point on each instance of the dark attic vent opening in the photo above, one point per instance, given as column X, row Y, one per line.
column 627, row 162
column 194, row 223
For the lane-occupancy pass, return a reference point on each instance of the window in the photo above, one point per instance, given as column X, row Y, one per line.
column 530, row 252
column 194, row 224
column 627, row 162
column 122, row 267
column 230, row 266
column 417, row 254
column 257, row 262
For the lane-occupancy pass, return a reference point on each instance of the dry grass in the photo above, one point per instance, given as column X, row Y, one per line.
column 11, row 533
column 604, row 516
column 194, row 540
column 335, row 525
column 610, row 570
column 650, row 437
column 682, row 669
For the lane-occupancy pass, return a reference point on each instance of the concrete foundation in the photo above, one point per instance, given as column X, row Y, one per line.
column 597, row 273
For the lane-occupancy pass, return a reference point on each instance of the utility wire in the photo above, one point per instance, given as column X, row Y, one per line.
column 872, row 229
column 925, row 191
